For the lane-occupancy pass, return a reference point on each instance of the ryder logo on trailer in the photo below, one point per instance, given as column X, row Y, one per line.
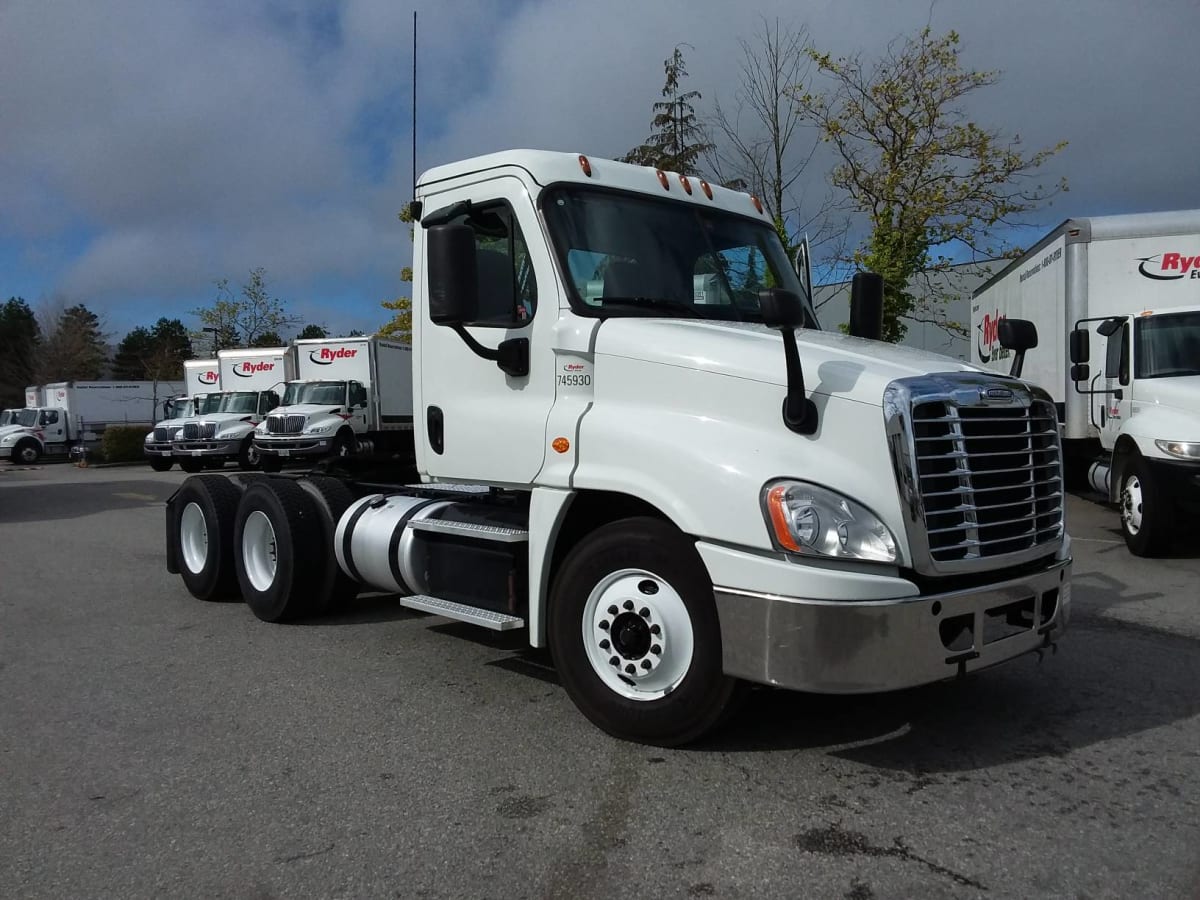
column 1169, row 266
column 989, row 337
column 250, row 369
column 208, row 378
column 326, row 355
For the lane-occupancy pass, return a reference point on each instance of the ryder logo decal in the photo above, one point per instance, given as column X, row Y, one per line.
column 988, row 339
column 249, row 369
column 1169, row 266
column 326, row 355
column 207, row 378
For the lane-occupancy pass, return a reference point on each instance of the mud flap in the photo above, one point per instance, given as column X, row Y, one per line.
column 172, row 535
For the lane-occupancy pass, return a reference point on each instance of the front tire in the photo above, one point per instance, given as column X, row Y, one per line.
column 270, row 462
column 161, row 463
column 26, row 453
column 278, row 551
column 634, row 634
column 191, row 464
column 249, row 456
column 1146, row 510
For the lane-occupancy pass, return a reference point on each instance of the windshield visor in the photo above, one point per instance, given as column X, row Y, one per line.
column 627, row 255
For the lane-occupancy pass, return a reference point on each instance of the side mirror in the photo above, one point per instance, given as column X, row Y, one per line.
column 1017, row 335
column 781, row 308
column 866, row 306
column 453, row 283
column 1081, row 372
column 1079, row 349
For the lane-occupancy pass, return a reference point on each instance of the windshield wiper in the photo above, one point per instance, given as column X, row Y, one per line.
column 653, row 303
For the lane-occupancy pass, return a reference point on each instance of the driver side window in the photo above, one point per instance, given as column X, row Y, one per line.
column 49, row 417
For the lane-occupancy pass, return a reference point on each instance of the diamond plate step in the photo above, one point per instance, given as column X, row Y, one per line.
column 502, row 533
column 496, row 621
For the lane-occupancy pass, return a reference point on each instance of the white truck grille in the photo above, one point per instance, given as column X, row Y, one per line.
column 199, row 431
column 288, row 424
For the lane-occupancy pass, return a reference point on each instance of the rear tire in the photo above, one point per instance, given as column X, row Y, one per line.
column 636, row 592
column 332, row 498
column 203, row 515
column 191, row 464
column 277, row 548
column 161, row 463
column 1146, row 510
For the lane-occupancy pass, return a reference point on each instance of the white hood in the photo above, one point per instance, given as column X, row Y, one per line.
column 834, row 364
column 13, row 429
column 1181, row 393
column 308, row 410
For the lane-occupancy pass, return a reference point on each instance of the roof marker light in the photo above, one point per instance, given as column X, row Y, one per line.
column 757, row 203
column 704, row 187
column 585, row 165
column 687, row 185
column 662, row 179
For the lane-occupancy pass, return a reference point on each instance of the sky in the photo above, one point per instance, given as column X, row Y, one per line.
column 151, row 147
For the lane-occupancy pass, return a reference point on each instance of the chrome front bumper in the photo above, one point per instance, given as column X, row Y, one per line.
column 206, row 448
column 852, row 647
column 159, row 449
column 297, row 446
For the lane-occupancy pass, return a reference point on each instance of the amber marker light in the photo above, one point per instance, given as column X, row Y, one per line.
column 561, row 445
column 757, row 204
column 663, row 180
column 704, row 187
column 687, row 185
column 783, row 534
column 586, row 165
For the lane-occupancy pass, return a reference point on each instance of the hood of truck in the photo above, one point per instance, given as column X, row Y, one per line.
column 10, row 430
column 834, row 364
column 309, row 410
column 1182, row 393
column 222, row 418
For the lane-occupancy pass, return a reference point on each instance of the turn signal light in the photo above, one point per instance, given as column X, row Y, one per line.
column 586, row 165
column 561, row 445
column 783, row 534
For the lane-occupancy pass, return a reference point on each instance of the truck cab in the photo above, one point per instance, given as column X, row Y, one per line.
column 25, row 439
column 1144, row 402
column 157, row 445
column 315, row 419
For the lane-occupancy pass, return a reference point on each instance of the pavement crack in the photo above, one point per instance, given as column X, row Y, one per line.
column 309, row 855
column 836, row 841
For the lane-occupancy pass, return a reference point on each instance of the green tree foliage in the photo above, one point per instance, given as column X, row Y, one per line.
column 268, row 339
column 927, row 178
column 129, row 361
column 242, row 320
column 74, row 349
column 677, row 141
column 399, row 327
column 312, row 331
column 20, row 340
column 153, row 354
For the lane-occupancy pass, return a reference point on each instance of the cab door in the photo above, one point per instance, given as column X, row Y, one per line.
column 474, row 422
column 1111, row 408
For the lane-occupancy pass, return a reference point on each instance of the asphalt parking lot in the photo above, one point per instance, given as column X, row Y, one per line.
column 154, row 745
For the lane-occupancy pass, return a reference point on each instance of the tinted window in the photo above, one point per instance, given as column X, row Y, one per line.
column 507, row 287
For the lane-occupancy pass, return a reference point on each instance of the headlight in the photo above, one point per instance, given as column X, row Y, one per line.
column 148, row 438
column 805, row 518
column 318, row 429
column 1180, row 449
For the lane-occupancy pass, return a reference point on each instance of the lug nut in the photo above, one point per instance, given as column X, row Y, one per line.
column 628, row 604
column 646, row 664
column 604, row 625
column 656, row 650
column 615, row 661
column 604, row 645
column 612, row 610
column 644, row 613
column 630, row 669
column 654, row 629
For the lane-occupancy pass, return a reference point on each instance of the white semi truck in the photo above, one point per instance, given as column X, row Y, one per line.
column 201, row 379
column 351, row 395
column 673, row 497
column 76, row 413
column 251, row 381
column 1125, row 289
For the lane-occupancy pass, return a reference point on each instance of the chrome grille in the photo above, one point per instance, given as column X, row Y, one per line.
column 199, row 431
column 289, row 424
column 980, row 470
column 164, row 435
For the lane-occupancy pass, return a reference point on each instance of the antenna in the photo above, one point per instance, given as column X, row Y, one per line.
column 414, row 208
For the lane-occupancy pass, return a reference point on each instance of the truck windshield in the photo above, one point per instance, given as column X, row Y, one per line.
column 181, row 408
column 209, row 404
column 27, row 417
column 322, row 392
column 627, row 255
column 239, row 402
column 1167, row 345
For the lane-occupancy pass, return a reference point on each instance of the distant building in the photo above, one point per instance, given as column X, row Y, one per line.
column 957, row 282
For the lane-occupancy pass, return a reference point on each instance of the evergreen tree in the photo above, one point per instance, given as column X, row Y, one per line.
column 677, row 141
column 312, row 331
column 20, row 339
column 129, row 362
column 75, row 349
column 267, row 339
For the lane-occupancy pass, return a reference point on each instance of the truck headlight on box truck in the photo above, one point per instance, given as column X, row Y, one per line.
column 1180, row 449
column 811, row 520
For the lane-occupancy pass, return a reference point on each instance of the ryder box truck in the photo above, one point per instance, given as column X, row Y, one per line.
column 673, row 497
column 201, row 380
column 1116, row 302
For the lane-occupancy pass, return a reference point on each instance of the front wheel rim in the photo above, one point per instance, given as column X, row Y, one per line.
column 193, row 538
column 638, row 634
column 1131, row 505
column 28, row 454
column 259, row 550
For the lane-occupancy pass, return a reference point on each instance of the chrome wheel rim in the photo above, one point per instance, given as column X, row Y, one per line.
column 259, row 550
column 1131, row 504
column 637, row 634
column 193, row 538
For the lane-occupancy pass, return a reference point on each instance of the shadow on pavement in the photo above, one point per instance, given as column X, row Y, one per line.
column 40, row 502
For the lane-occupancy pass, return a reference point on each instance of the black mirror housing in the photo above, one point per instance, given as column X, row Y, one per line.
column 1081, row 372
column 866, row 306
column 453, row 283
column 1017, row 334
column 1079, row 349
column 781, row 308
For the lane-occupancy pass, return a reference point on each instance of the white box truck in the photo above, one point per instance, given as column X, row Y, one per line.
column 1126, row 290
column 352, row 395
column 76, row 413
column 201, row 379
column 671, row 496
column 251, row 382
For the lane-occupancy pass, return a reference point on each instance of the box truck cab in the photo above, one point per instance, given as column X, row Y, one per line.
column 251, row 381
column 76, row 414
column 672, row 496
column 352, row 395
column 201, row 379
column 1116, row 300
